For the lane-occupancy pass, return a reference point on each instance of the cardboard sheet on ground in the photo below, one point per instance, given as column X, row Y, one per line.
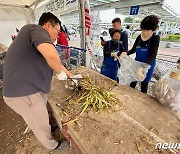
column 138, row 126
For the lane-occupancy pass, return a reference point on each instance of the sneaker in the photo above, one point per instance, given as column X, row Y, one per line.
column 53, row 128
column 62, row 145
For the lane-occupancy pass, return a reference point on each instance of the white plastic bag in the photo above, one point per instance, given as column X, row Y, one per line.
column 128, row 69
column 167, row 92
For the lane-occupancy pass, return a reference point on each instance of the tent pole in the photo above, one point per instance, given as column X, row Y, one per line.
column 82, row 22
column 82, row 27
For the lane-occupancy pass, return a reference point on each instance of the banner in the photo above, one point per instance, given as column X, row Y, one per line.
column 90, row 59
column 93, row 43
column 57, row 7
column 96, row 33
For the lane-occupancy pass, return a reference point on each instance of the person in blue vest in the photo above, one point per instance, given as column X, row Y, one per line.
column 146, row 48
column 112, row 51
column 116, row 23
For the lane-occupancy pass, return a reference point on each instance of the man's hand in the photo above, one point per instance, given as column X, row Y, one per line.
column 62, row 76
column 139, row 73
column 123, row 54
column 175, row 75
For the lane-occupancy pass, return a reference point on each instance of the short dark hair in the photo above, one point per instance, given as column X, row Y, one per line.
column 150, row 23
column 48, row 17
column 116, row 20
column 62, row 29
column 113, row 31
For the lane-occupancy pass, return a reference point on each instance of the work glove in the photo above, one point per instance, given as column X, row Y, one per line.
column 139, row 73
column 175, row 75
column 62, row 76
column 123, row 54
column 114, row 54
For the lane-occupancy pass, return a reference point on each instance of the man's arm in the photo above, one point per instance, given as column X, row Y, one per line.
column 50, row 54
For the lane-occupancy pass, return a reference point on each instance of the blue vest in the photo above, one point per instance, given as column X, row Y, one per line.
column 142, row 54
column 110, row 66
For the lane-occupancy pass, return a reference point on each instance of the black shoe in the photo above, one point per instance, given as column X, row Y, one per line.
column 54, row 128
column 62, row 145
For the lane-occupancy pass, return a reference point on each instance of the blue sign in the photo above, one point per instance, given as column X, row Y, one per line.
column 134, row 10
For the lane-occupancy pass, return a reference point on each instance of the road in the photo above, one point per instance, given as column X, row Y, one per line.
column 174, row 50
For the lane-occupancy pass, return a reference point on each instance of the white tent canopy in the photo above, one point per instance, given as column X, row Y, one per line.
column 57, row 7
column 12, row 18
column 14, row 14
column 20, row 3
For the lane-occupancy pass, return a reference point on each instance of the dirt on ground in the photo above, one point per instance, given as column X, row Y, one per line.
column 12, row 137
column 12, row 127
column 130, row 128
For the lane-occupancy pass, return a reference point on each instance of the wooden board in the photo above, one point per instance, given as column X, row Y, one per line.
column 142, row 122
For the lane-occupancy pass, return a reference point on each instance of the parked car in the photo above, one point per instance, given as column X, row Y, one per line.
column 71, row 31
column 137, row 31
column 175, row 31
column 104, row 32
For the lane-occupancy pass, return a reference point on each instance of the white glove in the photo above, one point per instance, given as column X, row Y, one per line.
column 61, row 76
column 139, row 73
